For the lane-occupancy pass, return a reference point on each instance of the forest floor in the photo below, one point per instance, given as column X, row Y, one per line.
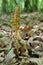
column 31, row 27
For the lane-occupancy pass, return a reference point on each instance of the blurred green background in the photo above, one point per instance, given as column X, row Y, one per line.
column 8, row 6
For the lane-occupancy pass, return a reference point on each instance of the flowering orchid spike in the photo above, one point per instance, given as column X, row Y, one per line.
column 16, row 19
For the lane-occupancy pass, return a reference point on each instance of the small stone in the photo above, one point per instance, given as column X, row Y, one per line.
column 2, row 54
column 1, row 59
